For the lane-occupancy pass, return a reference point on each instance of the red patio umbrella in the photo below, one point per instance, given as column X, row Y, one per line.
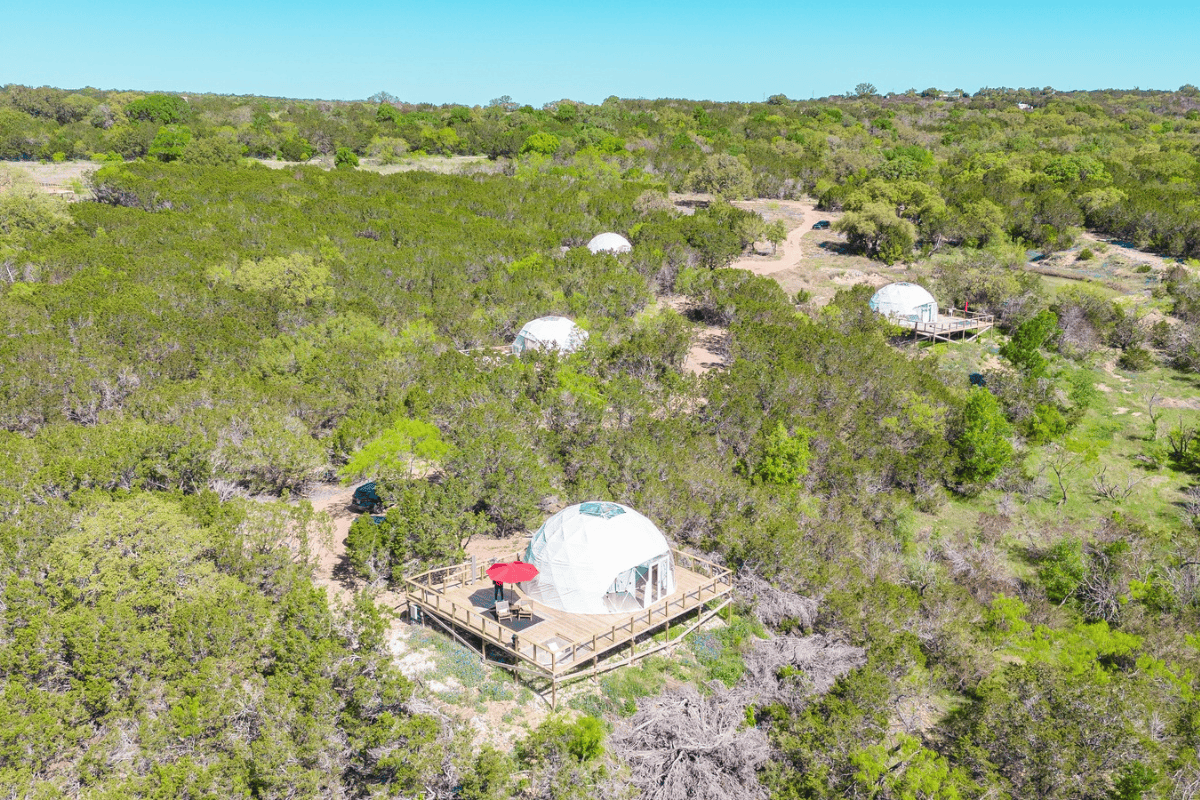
column 511, row 571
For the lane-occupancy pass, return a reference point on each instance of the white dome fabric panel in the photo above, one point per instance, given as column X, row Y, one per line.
column 906, row 302
column 585, row 550
column 549, row 333
column 609, row 243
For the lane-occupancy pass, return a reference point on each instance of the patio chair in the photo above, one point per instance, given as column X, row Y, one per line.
column 503, row 612
column 523, row 611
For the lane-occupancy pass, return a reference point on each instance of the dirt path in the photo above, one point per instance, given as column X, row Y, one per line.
column 333, row 567
column 1125, row 250
column 708, row 346
column 707, row 351
column 789, row 254
column 410, row 646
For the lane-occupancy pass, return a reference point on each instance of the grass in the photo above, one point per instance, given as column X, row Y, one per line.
column 708, row 655
column 452, row 658
column 1115, row 438
column 620, row 689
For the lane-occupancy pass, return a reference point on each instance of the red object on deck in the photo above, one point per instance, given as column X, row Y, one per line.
column 512, row 571
column 966, row 306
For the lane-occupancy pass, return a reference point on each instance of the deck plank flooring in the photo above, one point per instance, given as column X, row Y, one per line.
column 951, row 323
column 561, row 642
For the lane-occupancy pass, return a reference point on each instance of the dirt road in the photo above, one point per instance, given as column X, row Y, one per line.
column 1114, row 246
column 789, row 254
column 707, row 350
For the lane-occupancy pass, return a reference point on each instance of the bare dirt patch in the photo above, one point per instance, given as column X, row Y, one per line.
column 708, row 348
column 59, row 178
column 1190, row 403
column 446, row 165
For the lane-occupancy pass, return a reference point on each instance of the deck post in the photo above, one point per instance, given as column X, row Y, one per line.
column 474, row 572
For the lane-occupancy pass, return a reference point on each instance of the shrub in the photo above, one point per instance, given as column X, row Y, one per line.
column 296, row 149
column 1085, row 255
column 1062, row 570
column 1136, row 359
column 1142, row 269
column 543, row 143
column 344, row 158
column 586, row 740
column 982, row 445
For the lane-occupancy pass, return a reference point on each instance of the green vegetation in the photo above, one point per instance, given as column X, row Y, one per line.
column 914, row 168
column 1007, row 528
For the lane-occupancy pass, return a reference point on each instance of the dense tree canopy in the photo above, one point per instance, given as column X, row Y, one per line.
column 183, row 356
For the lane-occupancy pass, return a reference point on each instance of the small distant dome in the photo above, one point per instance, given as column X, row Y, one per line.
column 599, row 558
column 905, row 302
column 549, row 333
column 609, row 243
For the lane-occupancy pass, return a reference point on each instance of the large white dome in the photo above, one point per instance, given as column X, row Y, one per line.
column 905, row 302
column 549, row 333
column 599, row 558
column 609, row 243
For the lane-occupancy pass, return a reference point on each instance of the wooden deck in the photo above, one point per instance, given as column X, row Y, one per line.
column 563, row 645
column 952, row 323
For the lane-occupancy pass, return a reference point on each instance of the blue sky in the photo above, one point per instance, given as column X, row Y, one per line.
column 470, row 52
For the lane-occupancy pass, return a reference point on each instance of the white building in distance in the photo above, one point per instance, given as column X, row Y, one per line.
column 549, row 333
column 609, row 243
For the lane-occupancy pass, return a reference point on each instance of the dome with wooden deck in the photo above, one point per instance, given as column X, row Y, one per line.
column 905, row 302
column 599, row 558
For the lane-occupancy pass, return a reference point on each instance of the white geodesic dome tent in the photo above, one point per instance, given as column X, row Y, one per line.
column 599, row 558
column 609, row 243
column 905, row 302
column 549, row 333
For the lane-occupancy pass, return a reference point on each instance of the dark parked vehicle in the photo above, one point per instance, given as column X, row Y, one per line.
column 365, row 498
column 820, row 224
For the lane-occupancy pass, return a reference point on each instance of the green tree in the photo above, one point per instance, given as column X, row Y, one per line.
column 296, row 148
column 725, row 175
column 543, row 143
column 345, row 158
column 212, row 151
column 164, row 109
column 784, row 457
column 1022, row 350
column 878, row 231
column 398, row 450
column 982, row 442
column 294, row 280
column 26, row 214
column 170, row 142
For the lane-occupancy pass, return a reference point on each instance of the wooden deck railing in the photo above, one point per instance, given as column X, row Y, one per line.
column 427, row 589
column 959, row 320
